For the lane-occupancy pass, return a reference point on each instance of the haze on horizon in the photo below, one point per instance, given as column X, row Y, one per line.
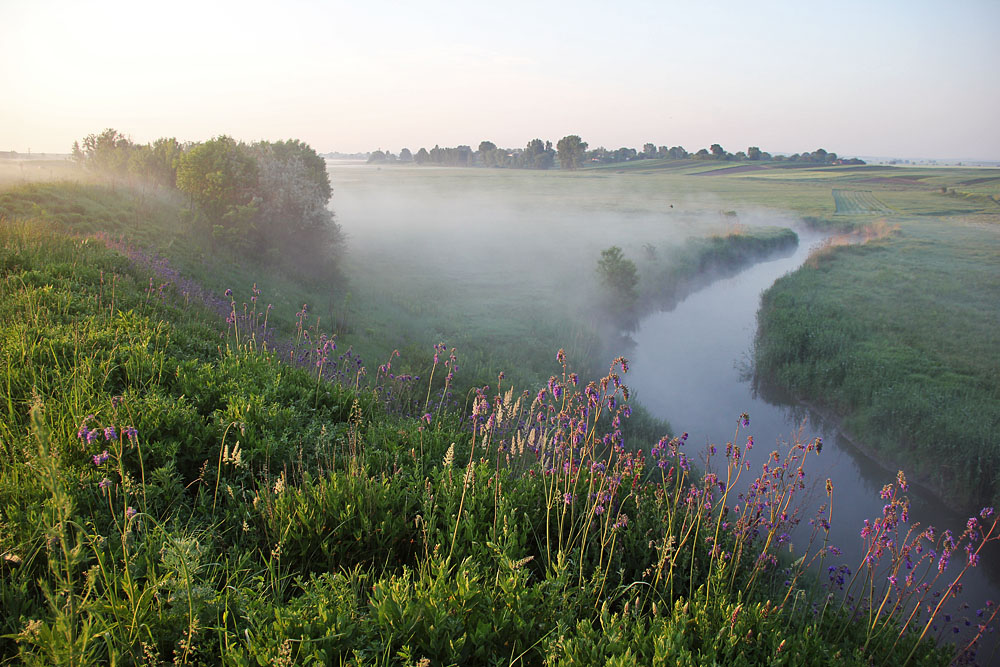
column 898, row 78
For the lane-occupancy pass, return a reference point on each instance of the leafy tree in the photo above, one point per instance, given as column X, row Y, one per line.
column 107, row 152
column 488, row 153
column 293, row 190
column 625, row 154
column 619, row 276
column 165, row 158
column 422, row 156
column 405, row 155
column 649, row 150
column 718, row 152
column 753, row 153
column 220, row 176
column 571, row 151
column 538, row 155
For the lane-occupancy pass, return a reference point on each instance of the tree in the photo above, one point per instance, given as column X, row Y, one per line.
column 571, row 151
column 718, row 152
column 422, row 156
column 649, row 150
column 538, row 155
column 405, row 155
column 293, row 190
column 753, row 153
column 166, row 157
column 220, row 176
column 488, row 153
column 108, row 152
column 619, row 276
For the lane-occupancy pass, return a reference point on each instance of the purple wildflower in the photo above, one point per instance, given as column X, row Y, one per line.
column 100, row 459
column 130, row 512
column 104, row 483
column 110, row 433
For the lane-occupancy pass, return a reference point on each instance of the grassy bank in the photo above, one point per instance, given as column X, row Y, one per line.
column 173, row 492
column 900, row 337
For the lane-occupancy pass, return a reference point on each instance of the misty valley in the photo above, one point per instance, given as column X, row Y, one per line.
column 271, row 407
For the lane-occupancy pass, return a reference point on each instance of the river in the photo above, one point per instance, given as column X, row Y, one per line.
column 692, row 365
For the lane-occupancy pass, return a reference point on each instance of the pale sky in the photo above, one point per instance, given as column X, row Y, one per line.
column 901, row 78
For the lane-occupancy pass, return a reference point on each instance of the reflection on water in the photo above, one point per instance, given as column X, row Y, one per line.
column 690, row 366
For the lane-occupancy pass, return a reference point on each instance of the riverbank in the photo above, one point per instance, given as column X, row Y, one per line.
column 898, row 337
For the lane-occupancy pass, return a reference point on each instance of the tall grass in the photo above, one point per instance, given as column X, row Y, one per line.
column 176, row 488
column 899, row 335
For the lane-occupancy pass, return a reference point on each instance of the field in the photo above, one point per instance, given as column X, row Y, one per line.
column 857, row 202
column 176, row 491
column 172, row 493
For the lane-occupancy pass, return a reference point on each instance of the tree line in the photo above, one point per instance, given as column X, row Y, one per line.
column 572, row 152
column 267, row 199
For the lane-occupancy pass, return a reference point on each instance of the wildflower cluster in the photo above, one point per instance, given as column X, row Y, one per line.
column 109, row 434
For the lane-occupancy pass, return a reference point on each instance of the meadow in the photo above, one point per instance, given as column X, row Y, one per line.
column 172, row 491
column 194, row 476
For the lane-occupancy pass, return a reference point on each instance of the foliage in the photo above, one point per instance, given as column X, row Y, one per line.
column 268, row 200
column 620, row 278
column 898, row 334
column 174, row 492
column 220, row 176
column 571, row 150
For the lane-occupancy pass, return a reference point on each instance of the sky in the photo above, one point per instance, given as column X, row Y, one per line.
column 908, row 79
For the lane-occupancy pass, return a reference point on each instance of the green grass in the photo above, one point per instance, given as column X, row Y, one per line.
column 900, row 336
column 260, row 515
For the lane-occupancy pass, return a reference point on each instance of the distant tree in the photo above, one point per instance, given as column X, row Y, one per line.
column 624, row 154
column 740, row 155
column 718, row 152
column 649, row 150
column 107, row 152
column 488, row 153
column 405, row 155
column 538, row 155
column 702, row 154
column 620, row 278
column 571, row 151
column 462, row 157
column 753, row 153
column 422, row 156
column 377, row 157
